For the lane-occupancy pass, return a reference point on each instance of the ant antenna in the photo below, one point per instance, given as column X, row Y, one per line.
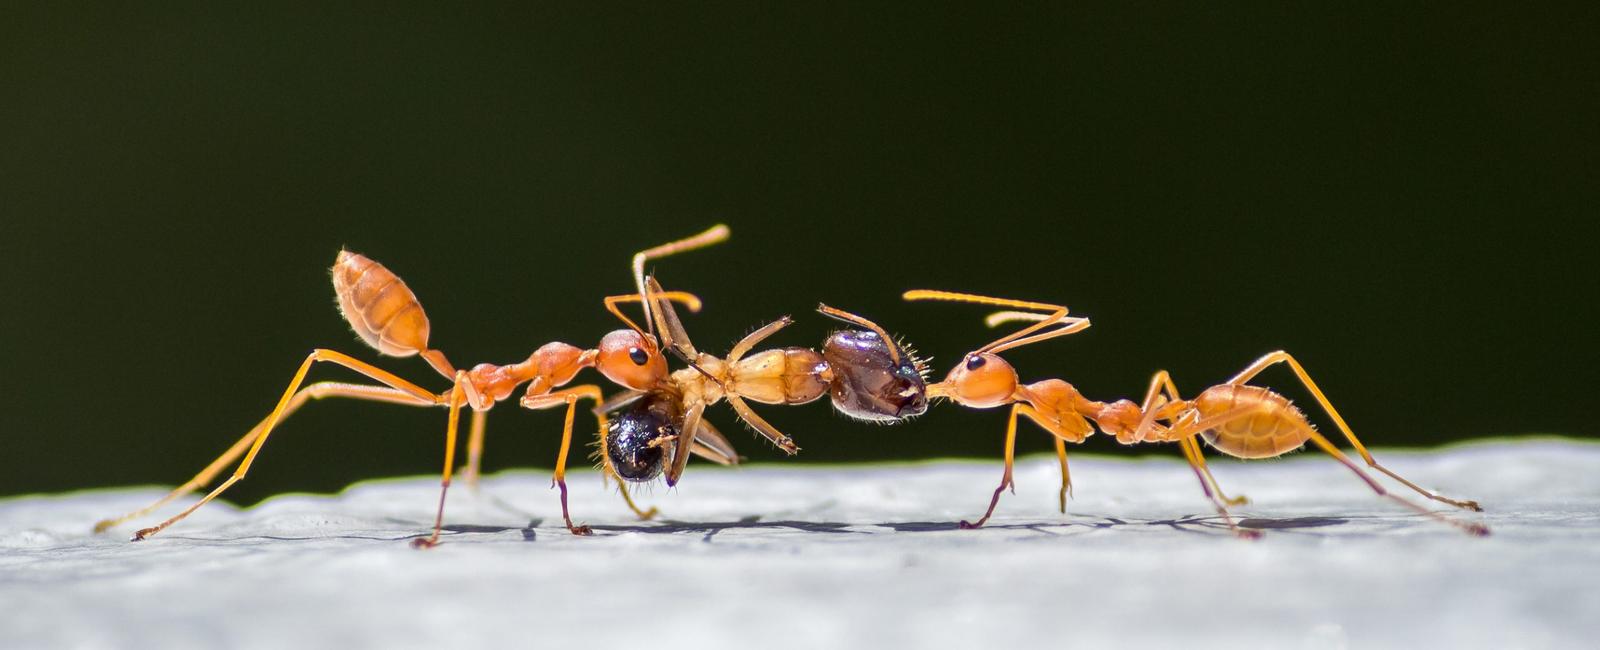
column 847, row 317
column 713, row 235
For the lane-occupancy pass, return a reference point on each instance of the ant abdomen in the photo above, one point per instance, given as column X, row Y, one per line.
column 379, row 306
column 872, row 378
column 782, row 376
column 1273, row 427
column 636, row 437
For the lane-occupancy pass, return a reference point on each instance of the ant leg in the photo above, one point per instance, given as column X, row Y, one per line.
column 613, row 403
column 569, row 397
column 1066, row 476
column 1200, row 461
column 710, row 444
column 1284, row 357
column 1174, row 406
column 1189, row 429
column 1191, row 454
column 1005, row 479
column 315, row 391
column 457, row 398
column 681, row 448
column 761, row 425
column 643, row 515
column 331, row 356
column 1325, row 445
column 669, row 326
column 469, row 474
column 750, row 340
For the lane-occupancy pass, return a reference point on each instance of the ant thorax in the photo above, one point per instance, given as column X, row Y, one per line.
column 704, row 382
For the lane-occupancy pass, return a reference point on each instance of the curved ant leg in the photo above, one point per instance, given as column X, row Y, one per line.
column 1284, row 357
column 752, row 339
column 607, row 472
column 1325, row 445
column 1162, row 402
column 315, row 391
column 457, row 398
column 1191, row 453
column 331, row 356
column 1155, row 410
column 673, row 336
column 569, row 397
column 761, row 425
column 642, row 514
column 469, row 473
column 1195, row 427
column 1200, row 461
column 710, row 444
column 1011, row 454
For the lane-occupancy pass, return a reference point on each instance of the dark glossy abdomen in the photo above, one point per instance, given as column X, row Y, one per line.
column 868, row 384
column 634, row 437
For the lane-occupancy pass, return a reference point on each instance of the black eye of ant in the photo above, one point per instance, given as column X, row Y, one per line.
column 975, row 362
column 638, row 356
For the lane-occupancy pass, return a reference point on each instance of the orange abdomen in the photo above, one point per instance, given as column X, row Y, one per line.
column 379, row 306
column 1266, row 425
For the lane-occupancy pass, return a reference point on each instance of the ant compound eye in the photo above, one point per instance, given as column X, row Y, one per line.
column 638, row 356
column 975, row 362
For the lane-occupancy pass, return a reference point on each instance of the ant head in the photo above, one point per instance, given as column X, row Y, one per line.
column 637, row 439
column 631, row 359
column 874, row 379
column 981, row 380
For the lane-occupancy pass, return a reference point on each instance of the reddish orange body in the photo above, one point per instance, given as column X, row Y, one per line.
column 379, row 306
column 1235, row 418
column 386, row 314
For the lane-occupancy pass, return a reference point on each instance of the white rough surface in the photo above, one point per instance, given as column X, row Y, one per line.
column 864, row 556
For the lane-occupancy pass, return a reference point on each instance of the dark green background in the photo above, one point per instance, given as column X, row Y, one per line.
column 1399, row 196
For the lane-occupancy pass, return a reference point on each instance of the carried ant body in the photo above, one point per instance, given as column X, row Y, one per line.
column 866, row 373
column 385, row 313
column 1234, row 417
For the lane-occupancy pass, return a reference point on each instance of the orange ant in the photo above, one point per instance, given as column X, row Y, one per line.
column 1234, row 417
column 388, row 317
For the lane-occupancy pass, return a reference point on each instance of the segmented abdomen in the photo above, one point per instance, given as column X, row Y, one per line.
column 379, row 306
column 1266, row 425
